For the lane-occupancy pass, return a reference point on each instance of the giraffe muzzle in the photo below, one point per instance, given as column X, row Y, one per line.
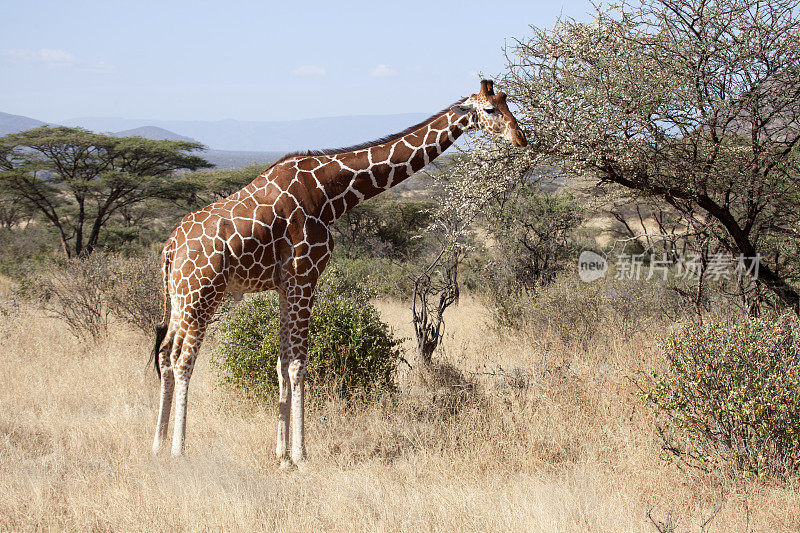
column 517, row 138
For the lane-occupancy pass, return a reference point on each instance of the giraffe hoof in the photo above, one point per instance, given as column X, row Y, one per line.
column 286, row 465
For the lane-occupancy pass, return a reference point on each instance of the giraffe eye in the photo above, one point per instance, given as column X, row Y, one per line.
column 490, row 110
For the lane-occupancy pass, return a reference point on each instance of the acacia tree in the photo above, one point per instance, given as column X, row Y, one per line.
column 77, row 180
column 213, row 185
column 533, row 232
column 693, row 102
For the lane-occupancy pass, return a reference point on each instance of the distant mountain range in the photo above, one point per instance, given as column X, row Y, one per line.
column 154, row 133
column 234, row 143
column 14, row 123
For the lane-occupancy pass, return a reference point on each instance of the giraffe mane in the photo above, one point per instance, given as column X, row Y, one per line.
column 369, row 144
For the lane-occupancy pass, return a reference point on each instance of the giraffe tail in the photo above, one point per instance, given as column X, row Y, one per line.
column 161, row 332
column 163, row 327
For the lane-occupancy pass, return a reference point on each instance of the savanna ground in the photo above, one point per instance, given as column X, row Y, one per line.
column 532, row 431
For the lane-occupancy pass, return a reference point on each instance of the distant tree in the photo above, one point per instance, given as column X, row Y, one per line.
column 533, row 231
column 695, row 103
column 383, row 227
column 213, row 185
column 13, row 211
column 77, row 180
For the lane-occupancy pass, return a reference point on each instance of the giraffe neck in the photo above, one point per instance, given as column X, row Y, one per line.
column 369, row 171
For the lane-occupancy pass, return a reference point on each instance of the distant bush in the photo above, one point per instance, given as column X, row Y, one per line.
column 33, row 242
column 570, row 308
column 132, row 289
column 506, row 301
column 633, row 305
column 70, row 290
column 575, row 310
column 731, row 394
column 349, row 348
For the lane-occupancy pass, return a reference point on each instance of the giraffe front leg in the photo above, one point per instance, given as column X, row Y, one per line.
column 297, row 372
column 282, row 446
column 299, row 302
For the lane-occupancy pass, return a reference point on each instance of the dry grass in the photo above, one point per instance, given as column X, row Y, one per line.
column 553, row 442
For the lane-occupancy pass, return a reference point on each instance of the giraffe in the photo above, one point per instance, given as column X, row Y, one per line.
column 274, row 234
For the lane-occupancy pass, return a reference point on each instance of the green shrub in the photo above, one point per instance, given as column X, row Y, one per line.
column 373, row 276
column 33, row 243
column 349, row 348
column 731, row 394
column 533, row 233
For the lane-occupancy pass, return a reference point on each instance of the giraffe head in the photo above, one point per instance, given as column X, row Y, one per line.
column 488, row 111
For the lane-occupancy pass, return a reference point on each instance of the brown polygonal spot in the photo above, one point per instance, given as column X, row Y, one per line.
column 328, row 171
column 307, row 163
column 432, row 152
column 418, row 160
column 327, row 213
column 318, row 252
column 381, row 173
column 299, row 190
column 352, row 198
column 401, row 153
column 302, row 265
column 381, row 152
column 338, row 206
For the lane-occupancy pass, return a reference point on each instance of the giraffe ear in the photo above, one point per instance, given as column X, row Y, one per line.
column 462, row 109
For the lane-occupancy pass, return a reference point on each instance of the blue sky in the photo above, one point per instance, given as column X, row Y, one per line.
column 254, row 60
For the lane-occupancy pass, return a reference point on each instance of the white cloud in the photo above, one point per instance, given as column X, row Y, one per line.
column 307, row 71
column 383, row 71
column 51, row 58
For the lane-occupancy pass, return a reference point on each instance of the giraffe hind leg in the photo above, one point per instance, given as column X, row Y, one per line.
column 194, row 320
column 163, row 359
column 182, row 367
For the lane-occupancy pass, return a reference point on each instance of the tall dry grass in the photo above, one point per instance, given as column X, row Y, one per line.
column 519, row 432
